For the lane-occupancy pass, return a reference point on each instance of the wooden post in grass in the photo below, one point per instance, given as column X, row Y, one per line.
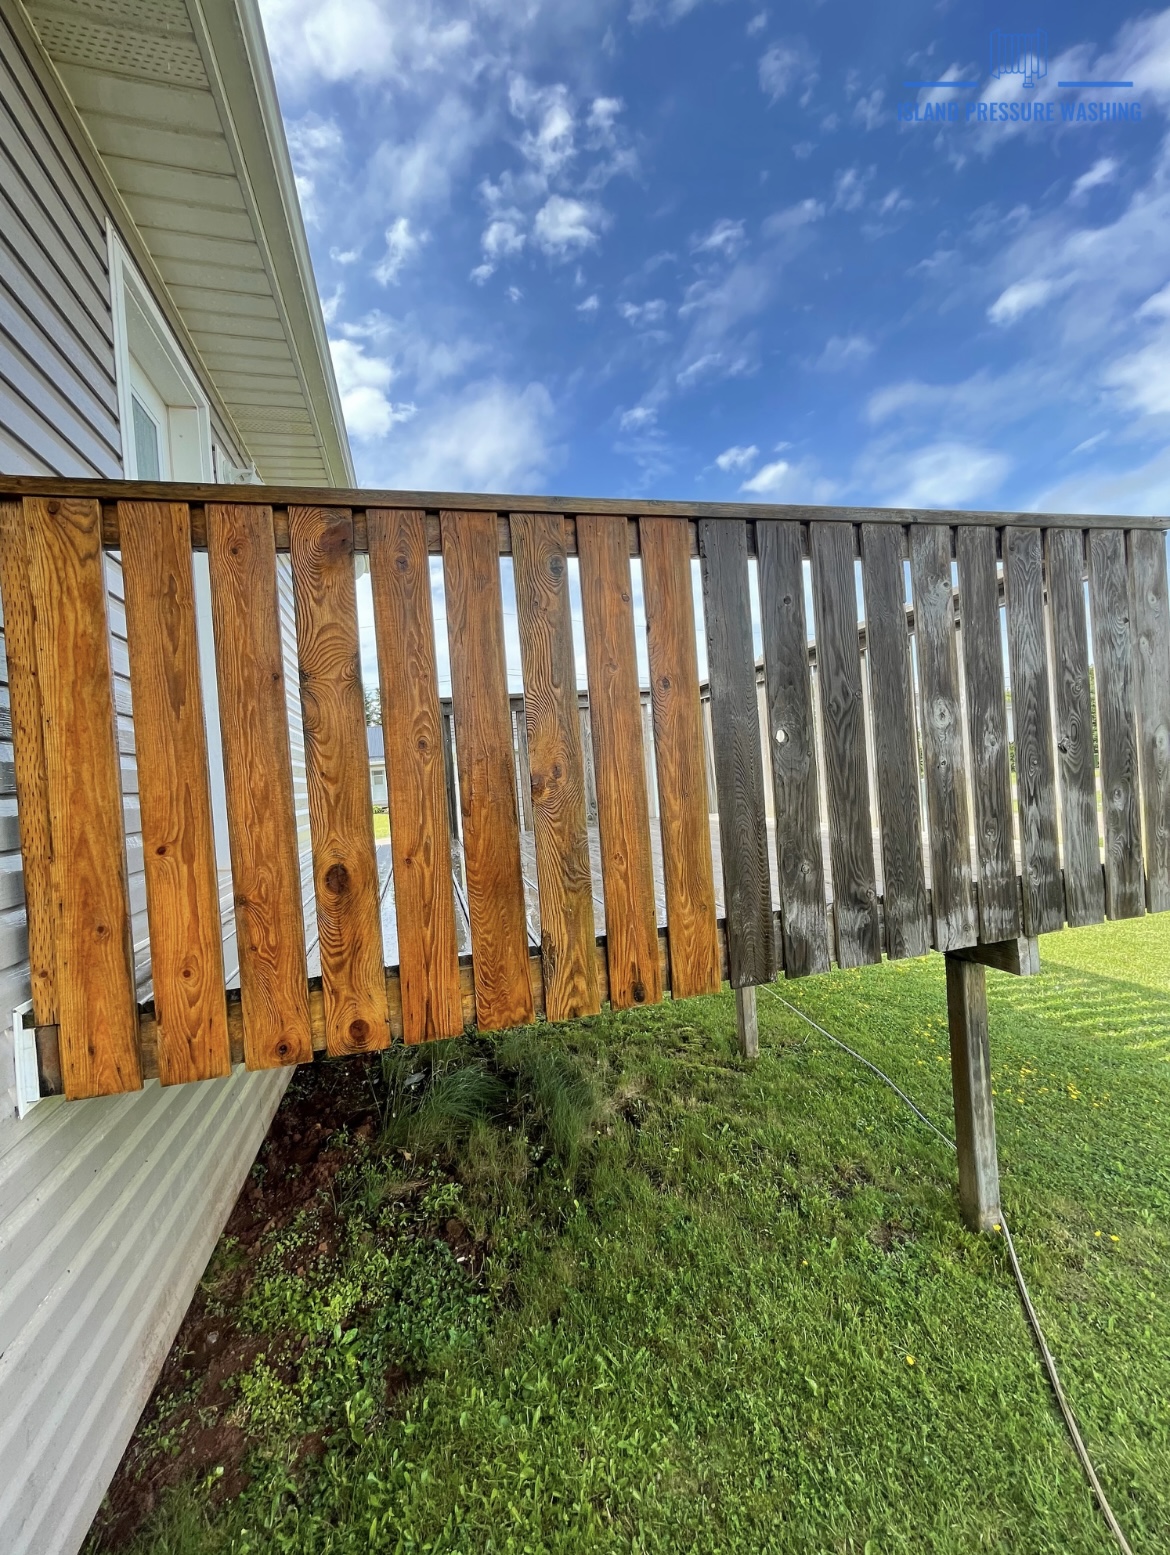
column 747, row 1026
column 971, row 1082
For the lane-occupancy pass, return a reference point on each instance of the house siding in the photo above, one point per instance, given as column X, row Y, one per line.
column 109, row 1209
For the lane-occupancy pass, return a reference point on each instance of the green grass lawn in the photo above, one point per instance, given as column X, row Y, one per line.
column 721, row 1306
column 381, row 826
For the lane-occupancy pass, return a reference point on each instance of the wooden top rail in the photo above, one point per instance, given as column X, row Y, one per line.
column 432, row 503
column 915, row 803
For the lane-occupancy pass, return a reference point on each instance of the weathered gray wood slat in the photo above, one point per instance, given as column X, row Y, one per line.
column 739, row 771
column 1084, row 883
column 793, row 749
column 1151, row 638
column 995, row 852
column 843, row 730
column 942, row 738
column 895, row 742
column 1116, row 723
column 1023, row 584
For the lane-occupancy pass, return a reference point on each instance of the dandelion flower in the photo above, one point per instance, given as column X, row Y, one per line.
column 910, row 1360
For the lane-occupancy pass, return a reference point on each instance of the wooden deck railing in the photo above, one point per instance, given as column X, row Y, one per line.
column 1009, row 848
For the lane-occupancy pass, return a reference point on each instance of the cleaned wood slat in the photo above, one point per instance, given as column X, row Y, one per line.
column 942, row 738
column 415, row 777
column 174, row 791
column 262, row 828
column 688, row 876
column 1151, row 638
column 1116, row 723
column 487, row 770
column 991, row 784
column 337, row 771
column 31, row 773
column 739, row 772
column 557, row 768
column 1023, row 583
column 1084, row 883
column 97, row 1012
column 895, row 742
column 615, row 716
column 843, row 732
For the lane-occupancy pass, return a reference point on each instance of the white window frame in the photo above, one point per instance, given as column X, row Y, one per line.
column 147, row 353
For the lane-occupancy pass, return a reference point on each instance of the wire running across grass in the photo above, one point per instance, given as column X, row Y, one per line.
column 1030, row 1313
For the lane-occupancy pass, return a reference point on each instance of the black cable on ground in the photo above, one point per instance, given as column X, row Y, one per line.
column 1049, row 1363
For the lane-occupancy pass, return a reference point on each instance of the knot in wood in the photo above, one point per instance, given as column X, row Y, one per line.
column 337, row 879
column 359, row 1032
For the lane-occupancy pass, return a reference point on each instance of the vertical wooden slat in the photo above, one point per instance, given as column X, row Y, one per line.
column 991, row 783
column 792, row 737
column 615, row 716
column 1084, row 884
column 97, row 1013
column 843, row 724
column 739, row 771
column 942, row 737
column 337, row 767
column 1023, row 583
column 182, row 886
column 415, row 779
column 1116, row 722
column 555, row 760
column 262, row 829
column 1151, row 638
column 487, row 770
column 895, row 741
column 28, row 749
column 678, row 745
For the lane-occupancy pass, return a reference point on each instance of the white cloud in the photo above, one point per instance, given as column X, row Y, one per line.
column 1157, row 306
column 602, row 120
column 843, row 351
column 362, row 382
column 943, row 474
column 402, row 244
column 1020, row 298
column 639, row 313
column 757, row 24
column 503, row 237
column 725, row 239
column 785, row 65
column 591, row 304
column 548, row 142
column 1142, row 379
column 638, row 418
column 564, row 226
column 1102, row 171
column 491, row 437
column 342, row 40
column 849, row 188
column 737, row 457
column 868, row 111
column 770, row 480
column 1144, row 489
column 317, row 148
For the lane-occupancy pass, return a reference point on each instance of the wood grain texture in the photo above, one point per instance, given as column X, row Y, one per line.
column 942, row 738
column 739, row 771
column 415, row 778
column 688, row 876
column 1151, row 639
column 1084, row 883
column 855, row 908
column 615, row 716
column 1113, row 660
column 991, row 783
column 1023, row 583
column 895, row 741
column 262, row 828
column 97, row 1012
column 792, row 734
column 557, row 769
column 487, row 770
column 337, row 771
column 174, row 792
column 31, row 773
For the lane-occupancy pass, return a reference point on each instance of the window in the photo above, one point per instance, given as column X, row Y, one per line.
column 165, row 417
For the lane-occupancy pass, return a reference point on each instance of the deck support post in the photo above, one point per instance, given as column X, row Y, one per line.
column 747, row 1026
column 971, row 1081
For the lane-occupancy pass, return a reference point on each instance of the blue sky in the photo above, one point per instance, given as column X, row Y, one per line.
column 687, row 248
